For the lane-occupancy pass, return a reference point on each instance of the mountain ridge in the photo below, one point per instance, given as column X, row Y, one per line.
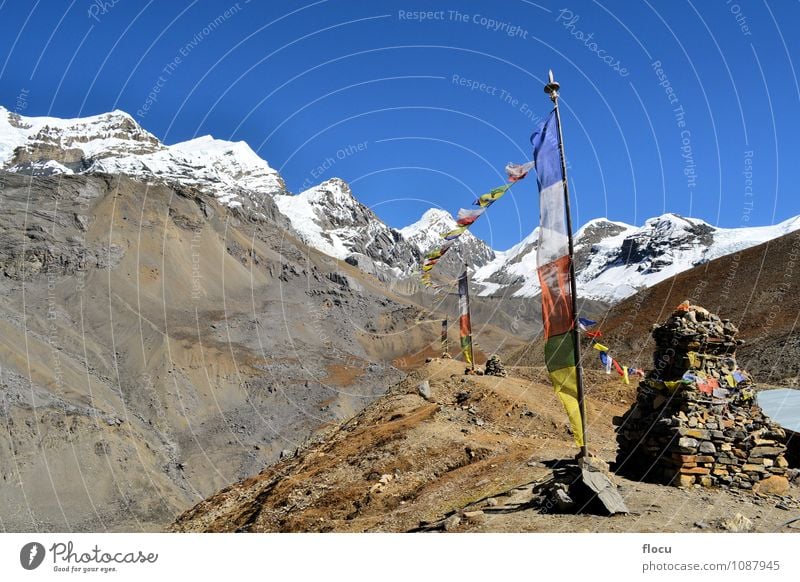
column 613, row 259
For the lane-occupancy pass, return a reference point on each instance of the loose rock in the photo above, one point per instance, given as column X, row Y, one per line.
column 774, row 485
column 424, row 390
column 452, row 522
column 737, row 524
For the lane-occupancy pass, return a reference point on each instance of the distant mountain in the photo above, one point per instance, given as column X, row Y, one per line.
column 426, row 235
column 330, row 219
column 614, row 260
column 114, row 143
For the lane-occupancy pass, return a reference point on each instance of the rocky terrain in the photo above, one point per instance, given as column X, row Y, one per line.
column 158, row 345
column 174, row 321
column 468, row 456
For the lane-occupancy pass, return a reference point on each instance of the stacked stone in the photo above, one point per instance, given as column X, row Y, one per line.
column 494, row 367
column 695, row 420
column 694, row 339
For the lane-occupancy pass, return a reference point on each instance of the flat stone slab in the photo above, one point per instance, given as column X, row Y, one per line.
column 596, row 476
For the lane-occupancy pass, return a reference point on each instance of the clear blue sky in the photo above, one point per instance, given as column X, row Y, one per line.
column 306, row 82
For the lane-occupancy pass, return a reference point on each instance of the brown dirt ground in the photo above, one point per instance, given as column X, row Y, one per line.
column 405, row 460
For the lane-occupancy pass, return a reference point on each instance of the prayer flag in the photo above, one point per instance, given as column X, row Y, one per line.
column 553, row 262
column 455, row 233
column 486, row 200
column 517, row 172
column 465, row 326
column 467, row 216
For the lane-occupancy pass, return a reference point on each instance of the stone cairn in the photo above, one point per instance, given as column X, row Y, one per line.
column 695, row 419
column 494, row 367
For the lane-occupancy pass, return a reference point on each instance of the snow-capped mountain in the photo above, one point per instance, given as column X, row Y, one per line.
column 71, row 145
column 231, row 170
column 425, row 235
column 614, row 260
column 328, row 218
column 114, row 143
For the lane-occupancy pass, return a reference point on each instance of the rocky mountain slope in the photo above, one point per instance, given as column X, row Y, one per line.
column 157, row 345
column 472, row 452
column 330, row 219
column 614, row 260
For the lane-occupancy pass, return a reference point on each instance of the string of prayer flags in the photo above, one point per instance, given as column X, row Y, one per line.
column 455, row 233
column 467, row 216
column 517, row 172
column 486, row 200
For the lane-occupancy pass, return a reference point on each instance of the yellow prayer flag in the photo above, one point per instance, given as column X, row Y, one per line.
column 565, row 382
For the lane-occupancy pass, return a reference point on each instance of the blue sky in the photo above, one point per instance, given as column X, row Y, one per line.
column 687, row 107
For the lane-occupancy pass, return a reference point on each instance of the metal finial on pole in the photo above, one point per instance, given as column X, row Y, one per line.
column 552, row 89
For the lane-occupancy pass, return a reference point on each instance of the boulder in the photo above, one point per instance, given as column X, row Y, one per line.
column 773, row 485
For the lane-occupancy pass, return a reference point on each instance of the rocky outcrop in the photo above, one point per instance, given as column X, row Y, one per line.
column 329, row 218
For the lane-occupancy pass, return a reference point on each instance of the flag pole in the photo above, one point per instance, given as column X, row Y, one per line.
column 469, row 317
column 551, row 89
column 445, row 347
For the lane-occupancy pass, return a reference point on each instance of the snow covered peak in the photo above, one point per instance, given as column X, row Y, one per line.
column 436, row 216
column 426, row 234
column 208, row 147
column 614, row 260
column 600, row 225
column 675, row 223
column 70, row 142
column 329, row 218
column 114, row 143
column 334, row 193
